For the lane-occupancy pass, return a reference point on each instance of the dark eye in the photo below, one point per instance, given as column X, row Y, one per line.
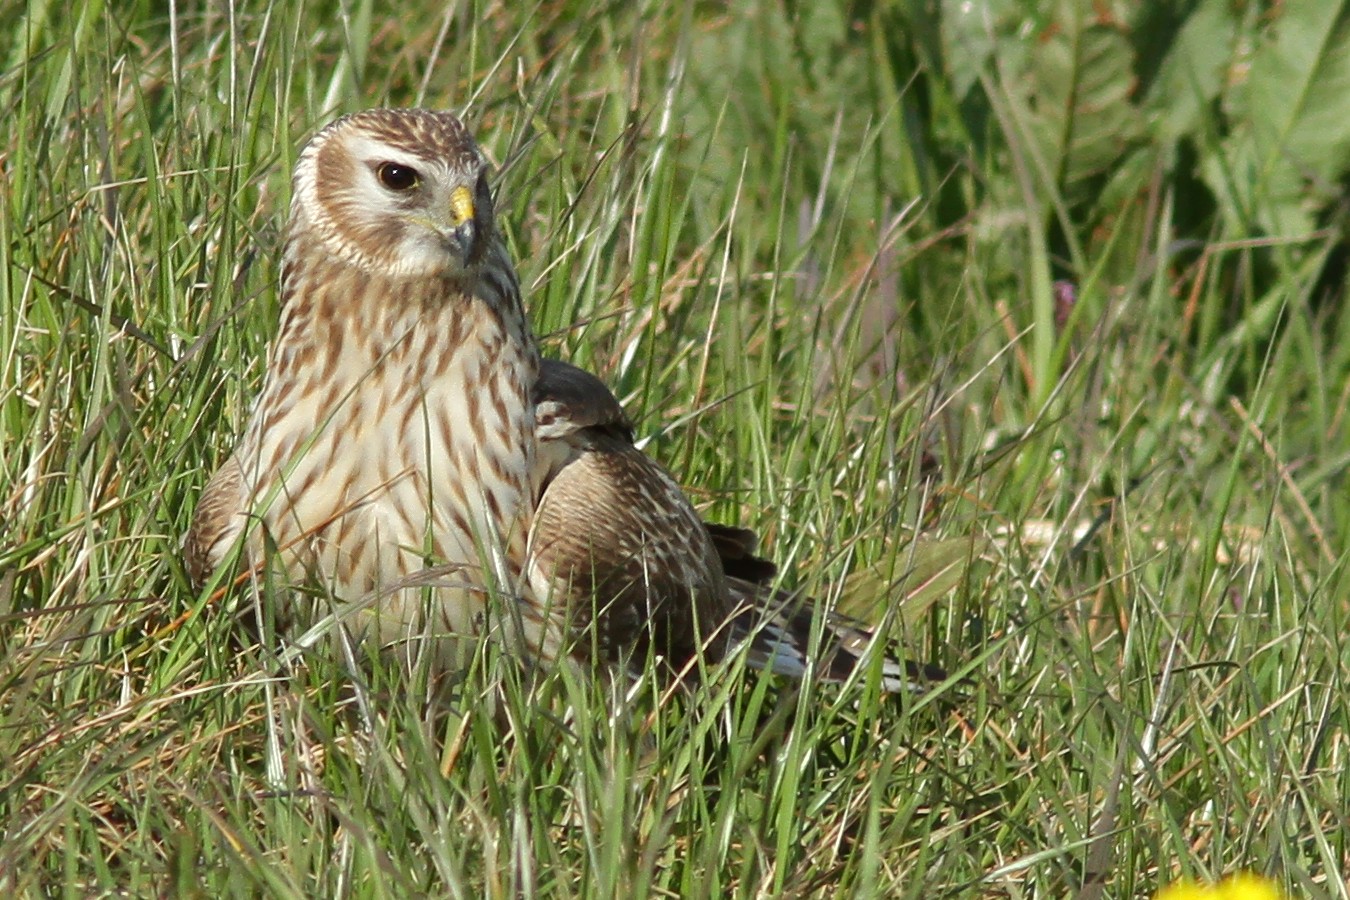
column 397, row 177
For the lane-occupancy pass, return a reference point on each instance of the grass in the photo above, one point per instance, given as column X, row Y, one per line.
column 819, row 274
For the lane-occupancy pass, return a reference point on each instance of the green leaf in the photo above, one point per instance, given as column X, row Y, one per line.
column 1192, row 74
column 1080, row 89
column 972, row 33
column 1291, row 145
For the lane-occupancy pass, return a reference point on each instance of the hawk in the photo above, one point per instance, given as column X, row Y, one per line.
column 394, row 431
column 410, row 456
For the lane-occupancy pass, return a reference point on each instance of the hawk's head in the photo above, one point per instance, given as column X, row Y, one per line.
column 397, row 192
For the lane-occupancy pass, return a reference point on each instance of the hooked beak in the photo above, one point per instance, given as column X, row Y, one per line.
column 462, row 234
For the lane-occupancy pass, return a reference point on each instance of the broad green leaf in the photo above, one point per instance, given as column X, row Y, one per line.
column 1080, row 91
column 972, row 33
column 1291, row 145
column 1192, row 74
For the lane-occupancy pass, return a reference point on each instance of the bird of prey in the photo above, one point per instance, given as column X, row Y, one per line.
column 394, row 432
column 415, row 471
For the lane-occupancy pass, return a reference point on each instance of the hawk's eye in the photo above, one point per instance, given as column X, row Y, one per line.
column 397, row 177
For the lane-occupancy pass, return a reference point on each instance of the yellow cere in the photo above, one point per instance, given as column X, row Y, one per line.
column 1242, row 886
column 461, row 205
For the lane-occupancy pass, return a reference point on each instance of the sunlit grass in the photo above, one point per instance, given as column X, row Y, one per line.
column 1123, row 531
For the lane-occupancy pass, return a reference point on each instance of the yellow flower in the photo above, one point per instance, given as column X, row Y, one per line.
column 1242, row 886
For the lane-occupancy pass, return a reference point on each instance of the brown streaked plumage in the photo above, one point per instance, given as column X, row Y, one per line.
column 616, row 544
column 408, row 456
column 394, row 432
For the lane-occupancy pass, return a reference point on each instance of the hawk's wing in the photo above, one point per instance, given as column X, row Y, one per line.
column 216, row 521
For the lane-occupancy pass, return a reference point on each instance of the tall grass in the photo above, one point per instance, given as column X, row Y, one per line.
column 812, row 248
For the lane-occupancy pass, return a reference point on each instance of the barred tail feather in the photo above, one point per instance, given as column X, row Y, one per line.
column 777, row 624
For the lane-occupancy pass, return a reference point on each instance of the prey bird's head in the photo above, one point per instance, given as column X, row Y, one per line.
column 400, row 193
